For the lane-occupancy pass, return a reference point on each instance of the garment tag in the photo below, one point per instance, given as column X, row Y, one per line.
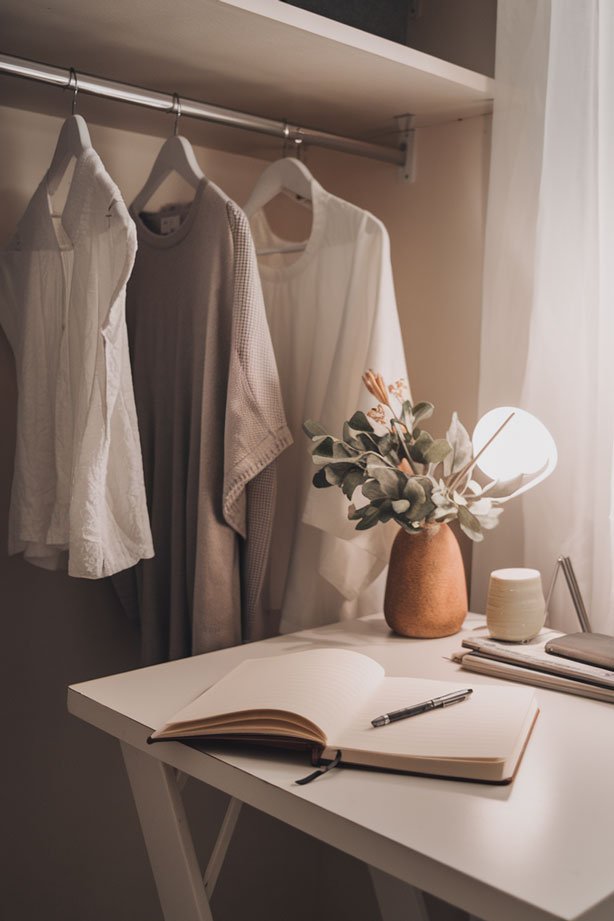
column 169, row 223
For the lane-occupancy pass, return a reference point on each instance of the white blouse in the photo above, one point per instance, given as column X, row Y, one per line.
column 332, row 315
column 78, row 494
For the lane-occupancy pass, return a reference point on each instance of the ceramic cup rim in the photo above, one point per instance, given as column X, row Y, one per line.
column 521, row 574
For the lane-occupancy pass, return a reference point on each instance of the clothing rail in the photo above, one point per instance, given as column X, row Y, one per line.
column 97, row 86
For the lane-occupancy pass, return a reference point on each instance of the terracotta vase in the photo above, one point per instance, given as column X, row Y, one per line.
column 426, row 592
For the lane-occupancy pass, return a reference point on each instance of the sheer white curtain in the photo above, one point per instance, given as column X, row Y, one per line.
column 548, row 313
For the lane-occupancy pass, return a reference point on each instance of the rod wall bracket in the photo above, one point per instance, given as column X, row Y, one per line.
column 407, row 136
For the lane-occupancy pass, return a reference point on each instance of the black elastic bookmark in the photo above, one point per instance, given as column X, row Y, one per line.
column 321, row 770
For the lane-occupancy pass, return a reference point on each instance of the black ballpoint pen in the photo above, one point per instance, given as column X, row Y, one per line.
column 436, row 703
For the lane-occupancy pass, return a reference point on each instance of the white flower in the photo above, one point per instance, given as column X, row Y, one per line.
column 486, row 513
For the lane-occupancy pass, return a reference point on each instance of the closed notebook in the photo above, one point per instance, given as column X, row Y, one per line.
column 591, row 648
column 324, row 700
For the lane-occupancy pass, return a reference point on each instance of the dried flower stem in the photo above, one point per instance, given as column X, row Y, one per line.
column 396, row 422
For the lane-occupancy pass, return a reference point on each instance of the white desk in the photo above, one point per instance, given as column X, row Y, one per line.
column 539, row 849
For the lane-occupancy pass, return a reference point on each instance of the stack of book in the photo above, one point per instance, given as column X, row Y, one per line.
column 529, row 663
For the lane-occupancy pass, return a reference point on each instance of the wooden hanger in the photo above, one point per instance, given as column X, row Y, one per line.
column 285, row 175
column 176, row 156
column 73, row 140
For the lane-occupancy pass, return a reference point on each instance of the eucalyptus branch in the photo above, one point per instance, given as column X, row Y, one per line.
column 397, row 422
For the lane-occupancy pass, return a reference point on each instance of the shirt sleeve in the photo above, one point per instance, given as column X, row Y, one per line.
column 109, row 521
column 370, row 337
column 255, row 430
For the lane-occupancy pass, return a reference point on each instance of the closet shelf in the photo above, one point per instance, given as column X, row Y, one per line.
column 259, row 56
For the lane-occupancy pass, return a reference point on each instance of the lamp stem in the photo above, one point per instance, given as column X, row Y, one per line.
column 471, row 464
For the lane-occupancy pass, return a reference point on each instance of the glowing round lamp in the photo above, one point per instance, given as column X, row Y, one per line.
column 523, row 446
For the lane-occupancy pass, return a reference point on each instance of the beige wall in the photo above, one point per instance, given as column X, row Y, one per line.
column 74, row 850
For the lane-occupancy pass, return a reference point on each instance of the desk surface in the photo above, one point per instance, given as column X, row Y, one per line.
column 539, row 849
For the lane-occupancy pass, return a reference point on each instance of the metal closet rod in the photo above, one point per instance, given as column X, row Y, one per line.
column 165, row 102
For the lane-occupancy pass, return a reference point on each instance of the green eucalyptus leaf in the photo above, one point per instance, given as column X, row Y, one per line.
column 351, row 481
column 366, row 442
column 445, row 513
column 349, row 438
column 314, row 430
column 418, row 450
column 417, row 491
column 372, row 490
column 341, row 451
column 323, row 451
column 417, row 488
column 332, row 478
column 476, row 536
column 437, row 451
column 319, row 479
column 336, row 473
column 386, row 444
column 462, row 449
column 468, row 518
column 391, row 480
column 369, row 519
column 421, row 510
column 422, row 411
column 360, row 423
column 356, row 513
column 400, row 505
column 470, row 524
column 407, row 415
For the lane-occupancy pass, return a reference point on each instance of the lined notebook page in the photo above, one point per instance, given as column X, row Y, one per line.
column 323, row 685
column 485, row 726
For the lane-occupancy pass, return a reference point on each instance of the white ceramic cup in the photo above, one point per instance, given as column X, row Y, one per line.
column 515, row 607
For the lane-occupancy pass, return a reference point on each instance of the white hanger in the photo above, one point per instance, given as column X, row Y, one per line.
column 73, row 140
column 176, row 156
column 285, row 175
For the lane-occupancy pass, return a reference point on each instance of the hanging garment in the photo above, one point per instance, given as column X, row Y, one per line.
column 78, row 488
column 211, row 422
column 332, row 315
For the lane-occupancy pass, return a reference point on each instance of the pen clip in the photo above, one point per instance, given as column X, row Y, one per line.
column 454, row 700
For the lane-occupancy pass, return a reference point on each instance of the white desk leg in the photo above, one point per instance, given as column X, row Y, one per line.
column 398, row 901
column 167, row 837
column 218, row 855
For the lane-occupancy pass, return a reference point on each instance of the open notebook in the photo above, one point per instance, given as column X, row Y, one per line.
column 325, row 699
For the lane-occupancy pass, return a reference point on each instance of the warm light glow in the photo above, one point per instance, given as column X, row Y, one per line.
column 524, row 446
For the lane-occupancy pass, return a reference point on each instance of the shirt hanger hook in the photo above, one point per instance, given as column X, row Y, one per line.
column 73, row 81
column 176, row 108
column 286, row 134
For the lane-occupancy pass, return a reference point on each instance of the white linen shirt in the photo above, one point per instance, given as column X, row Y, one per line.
column 332, row 314
column 78, row 477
